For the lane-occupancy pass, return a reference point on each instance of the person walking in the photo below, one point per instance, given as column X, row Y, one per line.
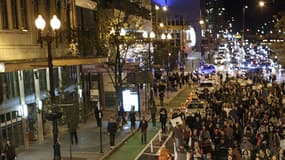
column 72, row 119
column 9, row 150
column 161, row 90
column 153, row 111
column 163, row 119
column 72, row 128
column 112, row 129
column 98, row 115
column 177, row 135
column 143, row 127
column 132, row 116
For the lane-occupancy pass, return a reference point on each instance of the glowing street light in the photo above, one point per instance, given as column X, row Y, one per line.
column 54, row 115
column 149, row 37
column 261, row 3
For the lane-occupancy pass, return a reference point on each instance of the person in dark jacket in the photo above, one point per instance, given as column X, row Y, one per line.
column 163, row 119
column 153, row 115
column 112, row 129
column 9, row 150
column 98, row 116
column 143, row 127
column 132, row 116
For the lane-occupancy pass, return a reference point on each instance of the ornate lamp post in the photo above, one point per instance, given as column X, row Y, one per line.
column 149, row 36
column 168, row 37
column 54, row 115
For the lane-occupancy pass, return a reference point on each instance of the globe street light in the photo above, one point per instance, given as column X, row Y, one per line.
column 261, row 3
column 168, row 37
column 54, row 115
column 149, row 38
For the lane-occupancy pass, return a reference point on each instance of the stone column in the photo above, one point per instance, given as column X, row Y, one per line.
column 39, row 106
column 9, row 14
column 24, row 109
column 19, row 15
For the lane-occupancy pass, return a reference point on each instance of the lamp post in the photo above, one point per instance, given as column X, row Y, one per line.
column 168, row 37
column 54, row 115
column 149, row 38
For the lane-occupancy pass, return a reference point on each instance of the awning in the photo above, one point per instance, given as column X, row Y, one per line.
column 88, row 4
column 12, row 66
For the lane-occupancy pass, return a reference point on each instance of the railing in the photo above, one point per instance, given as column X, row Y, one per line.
column 151, row 146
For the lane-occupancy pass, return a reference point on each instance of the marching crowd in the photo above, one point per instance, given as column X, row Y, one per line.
column 240, row 122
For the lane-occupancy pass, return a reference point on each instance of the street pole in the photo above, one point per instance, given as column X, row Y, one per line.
column 148, row 36
column 100, row 117
column 56, row 146
column 54, row 115
column 118, row 70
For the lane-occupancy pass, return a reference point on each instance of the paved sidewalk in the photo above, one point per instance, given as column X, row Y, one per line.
column 88, row 147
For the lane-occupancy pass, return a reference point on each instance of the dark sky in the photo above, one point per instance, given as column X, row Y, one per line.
column 254, row 15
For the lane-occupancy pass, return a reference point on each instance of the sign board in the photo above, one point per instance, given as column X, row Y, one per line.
column 94, row 94
column 176, row 121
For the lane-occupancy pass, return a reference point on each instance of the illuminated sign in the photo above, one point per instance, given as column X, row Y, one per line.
column 130, row 98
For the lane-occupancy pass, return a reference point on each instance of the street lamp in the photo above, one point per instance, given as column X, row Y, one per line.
column 54, row 115
column 164, row 36
column 261, row 3
column 168, row 37
column 149, row 37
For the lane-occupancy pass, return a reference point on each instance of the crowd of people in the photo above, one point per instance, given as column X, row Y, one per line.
column 241, row 121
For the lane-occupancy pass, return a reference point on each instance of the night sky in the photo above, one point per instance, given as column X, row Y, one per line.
column 255, row 16
column 188, row 8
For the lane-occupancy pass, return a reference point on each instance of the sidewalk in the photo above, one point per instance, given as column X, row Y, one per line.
column 132, row 146
column 88, row 147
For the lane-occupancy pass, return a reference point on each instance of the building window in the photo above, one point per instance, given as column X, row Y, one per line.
column 4, row 14
column 29, row 82
column 15, row 17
